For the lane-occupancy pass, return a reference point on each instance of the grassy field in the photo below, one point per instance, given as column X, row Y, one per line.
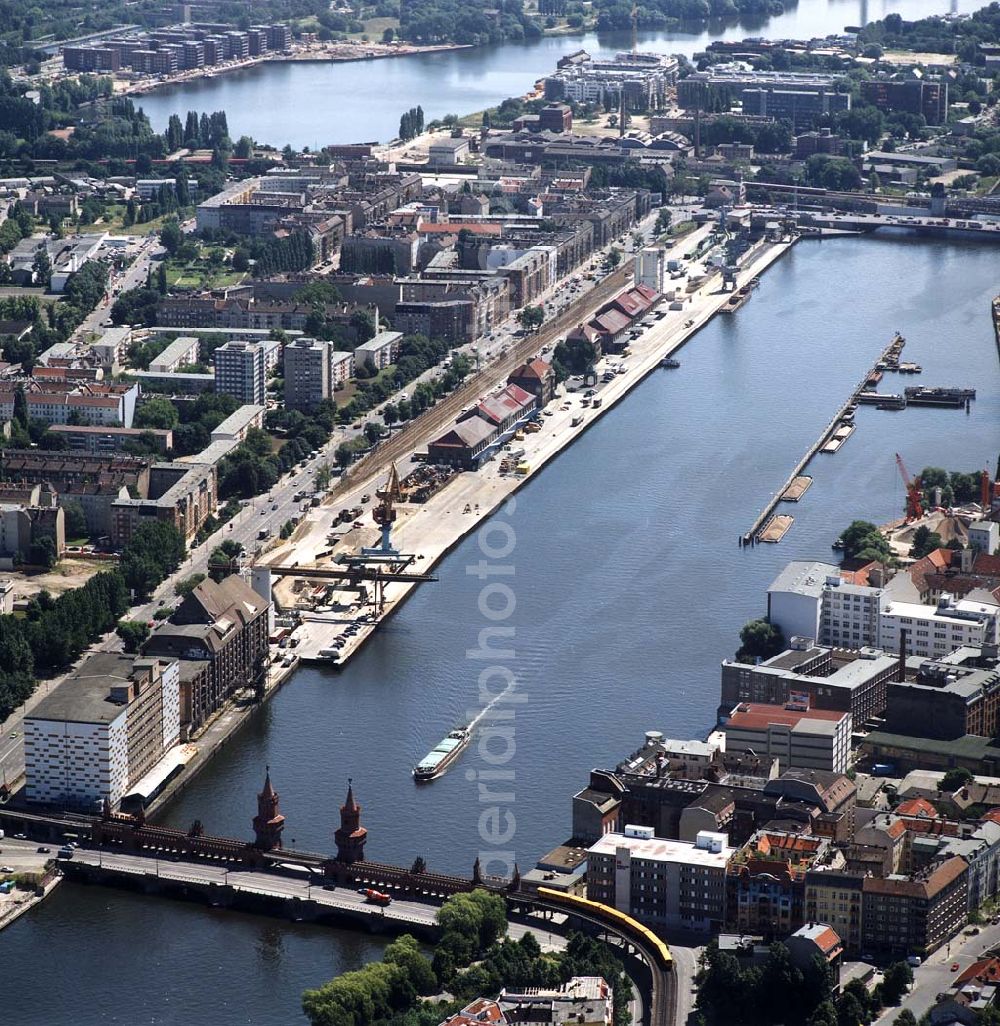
column 374, row 27
column 201, row 272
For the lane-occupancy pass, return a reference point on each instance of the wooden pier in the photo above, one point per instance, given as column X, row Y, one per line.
column 761, row 525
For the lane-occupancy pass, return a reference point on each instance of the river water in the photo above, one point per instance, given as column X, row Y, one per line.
column 314, row 103
column 629, row 589
column 628, row 582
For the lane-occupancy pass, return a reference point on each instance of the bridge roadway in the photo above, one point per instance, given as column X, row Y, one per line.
column 989, row 230
column 403, row 912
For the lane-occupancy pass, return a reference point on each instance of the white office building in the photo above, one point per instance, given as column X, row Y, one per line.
column 936, row 631
column 810, row 599
column 660, row 882
column 984, row 536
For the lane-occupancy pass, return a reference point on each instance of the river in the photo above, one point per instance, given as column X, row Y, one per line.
column 629, row 588
column 315, row 103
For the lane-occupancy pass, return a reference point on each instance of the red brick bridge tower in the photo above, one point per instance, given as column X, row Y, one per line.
column 350, row 835
column 269, row 822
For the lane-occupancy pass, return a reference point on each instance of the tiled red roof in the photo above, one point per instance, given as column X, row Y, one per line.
column 538, row 369
column 986, row 565
column 920, row 807
column 986, row 970
column 929, row 564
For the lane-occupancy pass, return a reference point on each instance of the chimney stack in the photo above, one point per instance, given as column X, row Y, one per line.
column 901, row 668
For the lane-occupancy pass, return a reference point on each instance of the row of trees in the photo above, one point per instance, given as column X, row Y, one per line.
column 411, row 124
column 253, row 467
column 956, row 487
column 52, row 322
column 475, row 22
column 191, row 423
column 417, row 354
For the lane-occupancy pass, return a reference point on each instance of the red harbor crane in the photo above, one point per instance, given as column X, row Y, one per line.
column 914, row 502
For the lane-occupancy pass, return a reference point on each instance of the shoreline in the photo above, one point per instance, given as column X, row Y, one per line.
column 320, row 53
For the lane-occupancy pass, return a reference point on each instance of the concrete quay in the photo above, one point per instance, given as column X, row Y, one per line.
column 432, row 529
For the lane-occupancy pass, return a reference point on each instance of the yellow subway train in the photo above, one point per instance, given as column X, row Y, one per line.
column 641, row 934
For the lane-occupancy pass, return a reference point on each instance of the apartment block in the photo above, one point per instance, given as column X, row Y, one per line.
column 307, row 373
column 914, row 915
column 341, row 368
column 181, row 351
column 835, row 897
column 379, row 352
column 240, row 371
column 766, row 882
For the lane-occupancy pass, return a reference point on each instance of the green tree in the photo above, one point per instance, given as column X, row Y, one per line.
column 223, row 560
column 897, row 980
column 42, row 266
column 390, row 414
column 324, row 475
column 955, row 779
column 759, row 640
column 905, row 1018
column 184, row 588
column 405, row 952
column 344, row 455
column 76, row 520
column 924, row 541
column 133, row 633
column 531, row 317
column 824, row 1015
column 863, row 539
column 42, row 552
column 154, row 551
column 573, row 356
column 157, row 413
column 171, row 235
column 850, row 1012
